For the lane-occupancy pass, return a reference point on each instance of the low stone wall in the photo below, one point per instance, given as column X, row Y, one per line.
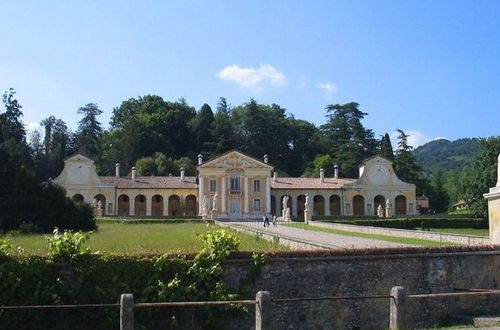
column 419, row 273
column 433, row 236
column 291, row 242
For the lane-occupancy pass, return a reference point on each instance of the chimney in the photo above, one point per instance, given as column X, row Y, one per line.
column 134, row 172
column 322, row 174
column 182, row 173
column 275, row 176
column 200, row 159
column 336, row 171
column 117, row 170
column 266, row 159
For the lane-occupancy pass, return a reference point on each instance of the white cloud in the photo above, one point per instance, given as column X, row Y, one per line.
column 328, row 88
column 415, row 138
column 253, row 78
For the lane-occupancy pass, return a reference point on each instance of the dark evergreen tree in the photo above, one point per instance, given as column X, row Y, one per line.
column 406, row 165
column 222, row 128
column 203, row 129
column 386, row 150
column 348, row 141
column 89, row 131
column 439, row 199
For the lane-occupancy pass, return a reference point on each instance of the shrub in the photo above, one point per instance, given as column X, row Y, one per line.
column 412, row 223
column 67, row 246
column 4, row 246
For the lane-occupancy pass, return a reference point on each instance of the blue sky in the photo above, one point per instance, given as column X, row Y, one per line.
column 428, row 67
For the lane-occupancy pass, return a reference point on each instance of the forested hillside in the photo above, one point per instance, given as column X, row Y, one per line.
column 446, row 155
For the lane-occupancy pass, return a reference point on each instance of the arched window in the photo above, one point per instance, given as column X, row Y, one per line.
column 174, row 205
column 191, row 205
column 123, row 205
column 378, row 200
column 140, row 205
column 400, row 207
column 358, row 205
column 335, row 208
column 319, row 205
column 157, row 206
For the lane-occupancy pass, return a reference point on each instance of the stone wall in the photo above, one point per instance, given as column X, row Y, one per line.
column 419, row 273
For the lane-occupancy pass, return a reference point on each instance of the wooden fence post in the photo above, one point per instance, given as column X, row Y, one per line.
column 398, row 310
column 127, row 311
column 263, row 311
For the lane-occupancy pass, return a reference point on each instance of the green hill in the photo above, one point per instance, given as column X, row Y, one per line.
column 447, row 155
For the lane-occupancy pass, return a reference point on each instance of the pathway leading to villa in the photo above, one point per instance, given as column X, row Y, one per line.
column 329, row 240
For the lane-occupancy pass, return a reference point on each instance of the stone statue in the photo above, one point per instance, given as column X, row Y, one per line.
column 99, row 208
column 388, row 208
column 306, row 204
column 214, row 204
column 307, row 210
column 286, row 209
column 380, row 211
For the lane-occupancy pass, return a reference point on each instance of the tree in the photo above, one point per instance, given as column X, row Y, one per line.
column 320, row 162
column 439, row 199
column 386, row 150
column 202, row 127
column 222, row 128
column 89, row 131
column 405, row 164
column 480, row 176
column 348, row 141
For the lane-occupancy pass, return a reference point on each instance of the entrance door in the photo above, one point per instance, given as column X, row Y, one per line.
column 235, row 207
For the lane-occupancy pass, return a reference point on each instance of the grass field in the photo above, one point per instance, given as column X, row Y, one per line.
column 143, row 238
column 463, row 231
column 402, row 240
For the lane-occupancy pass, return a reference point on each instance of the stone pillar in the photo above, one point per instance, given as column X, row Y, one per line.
column 398, row 311
column 149, row 204
column 127, row 312
column 246, row 196
column 165, row 205
column 223, row 195
column 268, row 195
column 132, row 206
column 201, row 191
column 263, row 311
column 327, row 205
column 493, row 198
column 294, row 205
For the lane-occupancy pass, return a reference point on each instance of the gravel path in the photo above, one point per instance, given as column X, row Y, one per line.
column 334, row 241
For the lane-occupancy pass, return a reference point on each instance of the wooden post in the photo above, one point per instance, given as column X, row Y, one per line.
column 263, row 311
column 127, row 311
column 398, row 311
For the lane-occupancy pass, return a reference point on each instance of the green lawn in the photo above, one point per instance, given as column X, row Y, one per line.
column 463, row 231
column 402, row 240
column 144, row 238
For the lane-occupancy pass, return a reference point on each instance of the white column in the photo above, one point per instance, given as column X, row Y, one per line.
column 268, row 195
column 245, row 196
column 149, row 202
column 201, row 192
column 223, row 194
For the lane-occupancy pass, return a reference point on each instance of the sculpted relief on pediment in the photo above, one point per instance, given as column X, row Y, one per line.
column 234, row 161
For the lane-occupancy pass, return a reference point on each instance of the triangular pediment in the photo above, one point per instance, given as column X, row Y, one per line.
column 234, row 159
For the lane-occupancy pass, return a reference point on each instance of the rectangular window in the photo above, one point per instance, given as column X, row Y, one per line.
column 235, row 185
column 256, row 185
column 213, row 186
column 256, row 205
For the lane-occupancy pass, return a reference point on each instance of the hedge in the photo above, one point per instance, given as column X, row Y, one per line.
column 425, row 222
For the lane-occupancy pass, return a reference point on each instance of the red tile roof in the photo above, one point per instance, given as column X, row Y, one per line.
column 152, row 182
column 309, row 183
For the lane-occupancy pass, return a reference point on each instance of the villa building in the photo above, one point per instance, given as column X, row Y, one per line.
column 235, row 185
